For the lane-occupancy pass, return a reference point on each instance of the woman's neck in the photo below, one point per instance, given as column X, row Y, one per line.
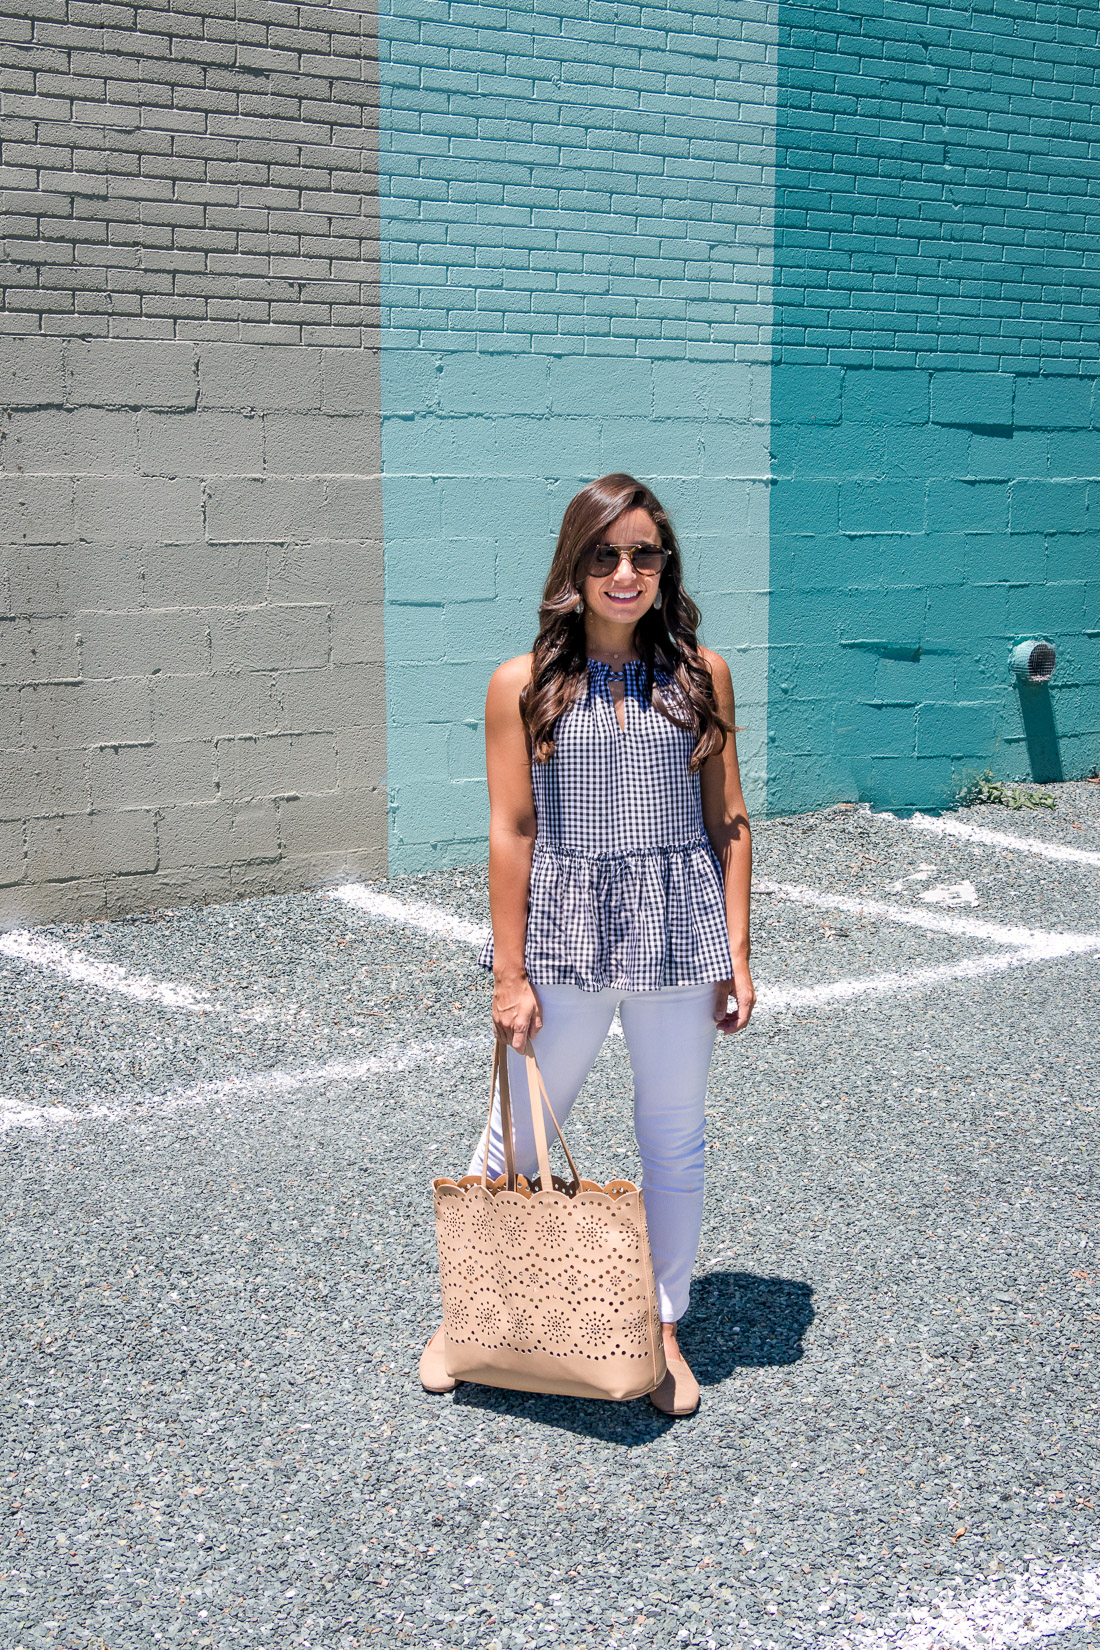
column 611, row 644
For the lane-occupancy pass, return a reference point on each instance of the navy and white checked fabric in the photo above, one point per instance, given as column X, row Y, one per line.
column 626, row 890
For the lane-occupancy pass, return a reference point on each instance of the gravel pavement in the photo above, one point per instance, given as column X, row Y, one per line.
column 219, row 1271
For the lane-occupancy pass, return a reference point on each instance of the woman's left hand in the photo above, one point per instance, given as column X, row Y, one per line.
column 740, row 988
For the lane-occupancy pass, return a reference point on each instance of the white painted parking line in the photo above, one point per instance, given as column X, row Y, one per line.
column 81, row 969
column 1003, row 1616
column 1024, row 947
column 772, row 999
column 431, row 919
column 250, row 1087
column 965, row 832
column 964, row 927
column 78, row 968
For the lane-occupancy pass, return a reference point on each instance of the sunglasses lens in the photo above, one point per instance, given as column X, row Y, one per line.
column 646, row 558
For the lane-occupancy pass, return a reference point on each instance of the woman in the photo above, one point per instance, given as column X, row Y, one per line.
column 619, row 865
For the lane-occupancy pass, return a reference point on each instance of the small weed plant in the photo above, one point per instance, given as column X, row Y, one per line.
column 989, row 790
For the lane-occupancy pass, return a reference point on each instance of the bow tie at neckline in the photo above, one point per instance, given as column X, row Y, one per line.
column 601, row 669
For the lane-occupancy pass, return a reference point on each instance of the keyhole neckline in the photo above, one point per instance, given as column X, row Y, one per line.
column 606, row 670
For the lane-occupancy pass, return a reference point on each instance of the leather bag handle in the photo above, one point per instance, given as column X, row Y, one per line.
column 538, row 1097
column 500, row 1076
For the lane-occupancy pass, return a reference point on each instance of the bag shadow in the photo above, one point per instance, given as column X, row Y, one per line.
column 735, row 1320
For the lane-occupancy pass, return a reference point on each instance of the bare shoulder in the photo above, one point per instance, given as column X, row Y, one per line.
column 508, row 681
column 722, row 680
column 719, row 671
column 512, row 674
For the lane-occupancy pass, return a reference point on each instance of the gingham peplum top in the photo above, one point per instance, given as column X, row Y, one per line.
column 626, row 890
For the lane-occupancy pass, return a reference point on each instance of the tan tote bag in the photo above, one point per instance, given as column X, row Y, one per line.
column 548, row 1285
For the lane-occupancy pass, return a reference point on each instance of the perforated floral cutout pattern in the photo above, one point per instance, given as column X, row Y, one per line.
column 636, row 1328
column 487, row 1318
column 519, row 1326
column 483, row 1225
column 594, row 1330
column 557, row 1326
column 548, row 1282
column 552, row 1231
column 455, row 1317
column 452, row 1219
column 590, row 1234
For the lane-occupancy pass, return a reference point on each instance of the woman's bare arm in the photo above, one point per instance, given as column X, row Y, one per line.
column 511, row 844
column 727, row 825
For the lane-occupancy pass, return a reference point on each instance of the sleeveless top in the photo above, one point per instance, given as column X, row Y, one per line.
column 626, row 890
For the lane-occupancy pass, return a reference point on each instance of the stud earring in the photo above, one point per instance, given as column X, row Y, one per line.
column 657, row 600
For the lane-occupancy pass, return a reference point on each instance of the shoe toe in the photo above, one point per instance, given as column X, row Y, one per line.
column 678, row 1393
column 433, row 1366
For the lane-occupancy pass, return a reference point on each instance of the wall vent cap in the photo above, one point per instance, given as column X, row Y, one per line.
column 1034, row 661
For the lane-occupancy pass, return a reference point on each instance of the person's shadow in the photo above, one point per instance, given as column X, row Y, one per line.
column 735, row 1320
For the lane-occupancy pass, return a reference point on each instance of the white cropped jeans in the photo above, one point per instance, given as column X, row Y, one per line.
column 670, row 1037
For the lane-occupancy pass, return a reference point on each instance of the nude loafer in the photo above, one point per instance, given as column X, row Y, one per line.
column 433, row 1365
column 678, row 1393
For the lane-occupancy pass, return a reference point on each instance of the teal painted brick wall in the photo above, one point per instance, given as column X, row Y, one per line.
column 935, row 444
column 602, row 225
column 475, row 488
column 936, row 199
column 577, row 176
column 576, row 221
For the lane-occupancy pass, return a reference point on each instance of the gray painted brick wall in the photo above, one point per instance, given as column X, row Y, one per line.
column 192, row 699
column 191, row 644
column 205, row 169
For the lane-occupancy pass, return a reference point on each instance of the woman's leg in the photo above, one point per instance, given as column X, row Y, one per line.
column 574, row 1025
column 670, row 1035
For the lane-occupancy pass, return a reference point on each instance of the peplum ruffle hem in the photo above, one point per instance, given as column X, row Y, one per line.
column 637, row 920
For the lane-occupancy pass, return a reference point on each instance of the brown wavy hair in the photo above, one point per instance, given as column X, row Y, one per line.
column 666, row 638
